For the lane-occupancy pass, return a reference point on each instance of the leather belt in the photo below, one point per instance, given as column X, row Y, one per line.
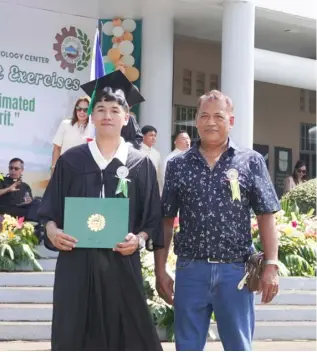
column 243, row 259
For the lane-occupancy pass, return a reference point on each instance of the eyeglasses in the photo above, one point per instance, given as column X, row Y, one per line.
column 300, row 171
column 78, row 108
column 15, row 168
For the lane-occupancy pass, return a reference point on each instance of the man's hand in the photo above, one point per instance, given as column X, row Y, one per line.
column 61, row 241
column 165, row 287
column 14, row 187
column 269, row 283
column 128, row 247
column 28, row 200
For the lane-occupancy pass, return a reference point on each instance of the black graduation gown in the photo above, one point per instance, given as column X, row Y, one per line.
column 98, row 300
column 132, row 133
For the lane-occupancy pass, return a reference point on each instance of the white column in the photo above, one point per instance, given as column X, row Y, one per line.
column 157, row 70
column 237, row 71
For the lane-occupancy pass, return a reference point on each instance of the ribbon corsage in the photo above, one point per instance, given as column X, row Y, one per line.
column 233, row 176
column 122, row 173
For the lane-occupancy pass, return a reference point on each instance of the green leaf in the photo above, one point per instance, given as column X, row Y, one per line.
column 7, row 248
column 88, row 57
column 80, row 68
column 83, row 57
column 85, row 64
column 79, row 63
column 37, row 266
column 80, row 33
column 85, row 37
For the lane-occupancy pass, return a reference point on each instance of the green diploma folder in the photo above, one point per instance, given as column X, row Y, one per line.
column 97, row 222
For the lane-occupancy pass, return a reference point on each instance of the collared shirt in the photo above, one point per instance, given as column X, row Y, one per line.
column 212, row 224
column 155, row 156
column 16, row 197
column 121, row 153
column 170, row 156
column 69, row 136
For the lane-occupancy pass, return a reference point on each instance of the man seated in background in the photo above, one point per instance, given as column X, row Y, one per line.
column 15, row 195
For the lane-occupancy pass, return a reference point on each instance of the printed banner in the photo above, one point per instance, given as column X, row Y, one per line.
column 283, row 168
column 44, row 58
column 121, row 49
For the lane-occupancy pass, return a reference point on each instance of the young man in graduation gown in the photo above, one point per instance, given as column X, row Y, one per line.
column 98, row 301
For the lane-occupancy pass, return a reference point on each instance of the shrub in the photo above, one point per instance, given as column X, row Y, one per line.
column 304, row 195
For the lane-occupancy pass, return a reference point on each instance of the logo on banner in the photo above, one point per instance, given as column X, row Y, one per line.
column 73, row 49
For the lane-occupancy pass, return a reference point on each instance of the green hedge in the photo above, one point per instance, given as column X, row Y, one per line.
column 304, row 195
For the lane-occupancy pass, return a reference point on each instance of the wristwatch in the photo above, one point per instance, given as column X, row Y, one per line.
column 272, row 262
column 141, row 242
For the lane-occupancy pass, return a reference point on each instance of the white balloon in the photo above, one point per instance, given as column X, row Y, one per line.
column 129, row 25
column 106, row 59
column 107, row 28
column 115, row 46
column 128, row 60
column 118, row 31
column 126, row 47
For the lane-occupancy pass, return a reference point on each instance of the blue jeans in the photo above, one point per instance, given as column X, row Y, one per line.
column 202, row 288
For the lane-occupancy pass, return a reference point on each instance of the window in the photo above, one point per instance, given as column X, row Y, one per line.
column 214, row 82
column 200, row 84
column 302, row 100
column 184, row 119
column 307, row 101
column 312, row 102
column 187, row 82
column 308, row 147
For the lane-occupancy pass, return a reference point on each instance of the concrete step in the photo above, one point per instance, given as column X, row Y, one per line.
column 43, row 312
column 45, row 278
column 274, row 331
column 43, row 251
column 281, row 331
column 298, row 283
column 285, row 313
column 26, row 294
column 289, row 297
column 45, row 294
column 47, row 265
column 26, row 312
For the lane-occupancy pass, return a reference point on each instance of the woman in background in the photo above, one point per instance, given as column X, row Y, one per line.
column 71, row 132
column 298, row 176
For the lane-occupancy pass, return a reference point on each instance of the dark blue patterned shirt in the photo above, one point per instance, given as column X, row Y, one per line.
column 212, row 224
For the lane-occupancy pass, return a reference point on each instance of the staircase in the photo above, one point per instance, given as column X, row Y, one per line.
column 26, row 307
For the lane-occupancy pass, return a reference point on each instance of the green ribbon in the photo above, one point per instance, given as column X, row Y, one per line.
column 235, row 189
column 122, row 187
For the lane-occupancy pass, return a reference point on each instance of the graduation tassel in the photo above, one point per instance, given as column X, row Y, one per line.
column 92, row 99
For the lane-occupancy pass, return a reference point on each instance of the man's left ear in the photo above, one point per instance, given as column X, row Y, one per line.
column 231, row 122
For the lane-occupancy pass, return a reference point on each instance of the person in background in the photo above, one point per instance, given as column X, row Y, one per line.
column 147, row 148
column 15, row 195
column 71, row 132
column 299, row 175
column 182, row 144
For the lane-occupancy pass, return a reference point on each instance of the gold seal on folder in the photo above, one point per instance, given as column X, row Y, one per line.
column 96, row 222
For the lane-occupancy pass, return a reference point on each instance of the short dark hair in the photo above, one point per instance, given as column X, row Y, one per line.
column 178, row 133
column 14, row 160
column 146, row 129
column 108, row 94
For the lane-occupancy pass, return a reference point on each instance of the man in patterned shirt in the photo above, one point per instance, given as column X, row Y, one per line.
column 214, row 186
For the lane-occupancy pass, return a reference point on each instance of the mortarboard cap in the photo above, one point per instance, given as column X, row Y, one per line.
column 115, row 80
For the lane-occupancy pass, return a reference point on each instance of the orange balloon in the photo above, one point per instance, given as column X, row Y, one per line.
column 128, row 36
column 116, row 22
column 132, row 73
column 114, row 54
